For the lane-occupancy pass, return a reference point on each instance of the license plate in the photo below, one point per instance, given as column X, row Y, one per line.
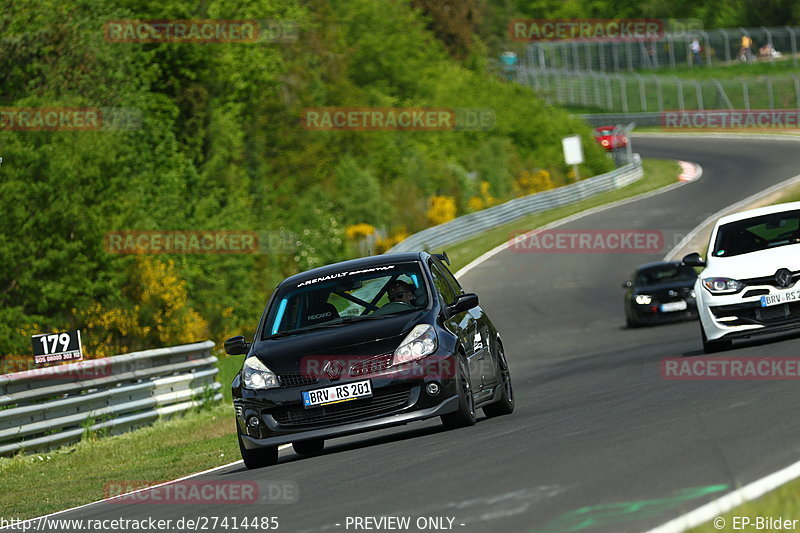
column 355, row 390
column 673, row 306
column 780, row 298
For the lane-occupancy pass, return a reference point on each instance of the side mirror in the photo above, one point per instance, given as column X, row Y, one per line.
column 237, row 345
column 465, row 302
column 693, row 260
column 627, row 285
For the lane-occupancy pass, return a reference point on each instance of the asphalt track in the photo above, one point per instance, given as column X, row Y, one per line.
column 599, row 441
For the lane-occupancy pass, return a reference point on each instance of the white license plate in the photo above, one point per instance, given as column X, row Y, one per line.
column 780, row 298
column 355, row 390
column 669, row 307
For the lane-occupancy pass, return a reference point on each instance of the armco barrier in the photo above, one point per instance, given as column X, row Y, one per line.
column 468, row 225
column 48, row 407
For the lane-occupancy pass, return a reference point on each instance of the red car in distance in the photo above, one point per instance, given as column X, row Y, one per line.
column 605, row 137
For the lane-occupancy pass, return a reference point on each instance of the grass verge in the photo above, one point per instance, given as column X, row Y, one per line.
column 79, row 474
column 200, row 440
column 657, row 173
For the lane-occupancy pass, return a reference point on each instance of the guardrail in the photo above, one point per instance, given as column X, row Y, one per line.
column 48, row 407
column 466, row 226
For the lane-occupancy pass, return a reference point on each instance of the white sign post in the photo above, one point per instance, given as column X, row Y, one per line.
column 573, row 153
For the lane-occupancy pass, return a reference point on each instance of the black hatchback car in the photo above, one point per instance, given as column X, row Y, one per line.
column 362, row 345
column 660, row 292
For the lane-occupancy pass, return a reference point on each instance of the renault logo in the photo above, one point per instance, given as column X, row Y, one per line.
column 333, row 369
column 783, row 277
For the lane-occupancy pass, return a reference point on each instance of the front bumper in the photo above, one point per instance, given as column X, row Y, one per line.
column 399, row 396
column 736, row 317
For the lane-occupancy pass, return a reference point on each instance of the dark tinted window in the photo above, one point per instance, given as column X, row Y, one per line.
column 757, row 233
column 665, row 274
column 443, row 287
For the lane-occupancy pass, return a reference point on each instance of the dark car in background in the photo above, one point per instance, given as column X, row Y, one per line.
column 658, row 292
column 361, row 345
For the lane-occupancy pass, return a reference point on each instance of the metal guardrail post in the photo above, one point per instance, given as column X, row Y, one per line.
column 746, row 95
column 793, row 43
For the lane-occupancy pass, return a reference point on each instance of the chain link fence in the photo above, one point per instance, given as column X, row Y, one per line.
column 637, row 93
column 669, row 50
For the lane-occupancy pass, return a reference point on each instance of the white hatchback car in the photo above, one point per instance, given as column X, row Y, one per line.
column 749, row 284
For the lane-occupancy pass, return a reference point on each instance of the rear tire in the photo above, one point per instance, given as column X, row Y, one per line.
column 505, row 405
column 714, row 346
column 465, row 416
column 308, row 447
column 259, row 457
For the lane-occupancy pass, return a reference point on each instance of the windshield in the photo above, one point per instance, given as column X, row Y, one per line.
column 347, row 296
column 757, row 233
column 665, row 274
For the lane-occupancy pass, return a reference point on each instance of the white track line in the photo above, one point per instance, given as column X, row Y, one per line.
column 729, row 501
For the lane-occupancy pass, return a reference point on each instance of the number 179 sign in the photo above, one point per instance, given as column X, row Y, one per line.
column 57, row 347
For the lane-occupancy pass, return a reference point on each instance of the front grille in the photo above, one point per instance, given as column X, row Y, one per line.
column 770, row 280
column 296, row 379
column 372, row 365
column 380, row 404
column 755, row 292
column 753, row 314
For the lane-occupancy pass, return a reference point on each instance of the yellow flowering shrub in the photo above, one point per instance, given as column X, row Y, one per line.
column 442, row 209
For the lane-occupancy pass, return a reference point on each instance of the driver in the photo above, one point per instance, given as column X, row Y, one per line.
column 401, row 292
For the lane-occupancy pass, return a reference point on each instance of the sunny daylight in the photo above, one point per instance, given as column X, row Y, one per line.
column 399, row 265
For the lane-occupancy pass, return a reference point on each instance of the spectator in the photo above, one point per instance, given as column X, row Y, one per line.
column 745, row 53
column 696, row 49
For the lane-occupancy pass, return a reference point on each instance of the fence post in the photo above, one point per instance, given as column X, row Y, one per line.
column 768, row 82
column 624, row 90
column 681, row 106
column 699, row 95
column 707, row 47
column 796, row 91
column 609, row 96
column 642, row 92
column 671, row 50
column 727, row 44
column 746, row 95
column 793, row 41
column 659, row 92
column 769, row 40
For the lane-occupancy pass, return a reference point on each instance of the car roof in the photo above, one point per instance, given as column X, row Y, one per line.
column 354, row 264
column 768, row 210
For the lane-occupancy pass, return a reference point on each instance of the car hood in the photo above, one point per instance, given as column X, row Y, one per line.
column 357, row 340
column 754, row 264
column 664, row 288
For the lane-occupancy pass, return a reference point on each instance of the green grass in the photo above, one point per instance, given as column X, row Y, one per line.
column 657, row 173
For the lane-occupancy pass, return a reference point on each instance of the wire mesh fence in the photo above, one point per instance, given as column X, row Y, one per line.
column 642, row 93
column 669, row 50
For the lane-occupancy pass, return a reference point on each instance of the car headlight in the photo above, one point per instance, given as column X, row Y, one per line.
column 722, row 285
column 257, row 375
column 643, row 299
column 421, row 341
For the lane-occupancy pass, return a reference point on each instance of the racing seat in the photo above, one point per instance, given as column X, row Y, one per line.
column 320, row 313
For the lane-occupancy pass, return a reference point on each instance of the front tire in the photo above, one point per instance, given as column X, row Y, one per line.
column 465, row 416
column 713, row 346
column 505, row 405
column 259, row 457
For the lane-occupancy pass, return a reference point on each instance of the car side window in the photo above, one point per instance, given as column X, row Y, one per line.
column 451, row 279
column 444, row 289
